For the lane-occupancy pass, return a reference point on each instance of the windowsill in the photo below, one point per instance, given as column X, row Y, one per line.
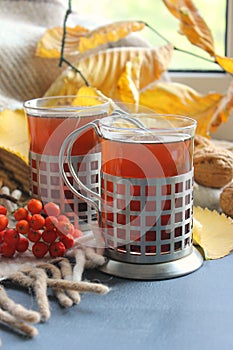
column 203, row 82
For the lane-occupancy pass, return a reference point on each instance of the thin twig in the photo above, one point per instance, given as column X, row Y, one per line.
column 177, row 48
column 62, row 58
column 195, row 55
column 68, row 12
column 76, row 70
column 156, row 32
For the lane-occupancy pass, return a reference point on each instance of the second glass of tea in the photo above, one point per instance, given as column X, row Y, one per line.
column 145, row 205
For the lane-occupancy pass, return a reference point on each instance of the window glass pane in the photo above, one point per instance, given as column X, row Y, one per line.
column 155, row 13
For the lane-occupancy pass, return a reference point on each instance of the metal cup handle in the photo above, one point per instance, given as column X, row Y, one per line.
column 66, row 148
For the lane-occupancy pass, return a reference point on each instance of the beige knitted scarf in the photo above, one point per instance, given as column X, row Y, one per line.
column 23, row 75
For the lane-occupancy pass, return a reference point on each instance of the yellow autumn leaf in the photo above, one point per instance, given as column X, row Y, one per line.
column 89, row 91
column 214, row 232
column 103, row 69
column 14, row 150
column 14, row 133
column 197, row 228
column 176, row 98
column 108, row 33
column 49, row 45
column 88, row 96
column 225, row 62
column 192, row 25
column 129, row 82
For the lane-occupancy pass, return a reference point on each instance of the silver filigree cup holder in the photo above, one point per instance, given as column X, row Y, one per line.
column 145, row 205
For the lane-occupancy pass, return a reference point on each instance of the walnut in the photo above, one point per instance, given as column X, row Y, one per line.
column 226, row 200
column 213, row 166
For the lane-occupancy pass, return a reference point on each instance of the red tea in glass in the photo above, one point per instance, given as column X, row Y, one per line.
column 50, row 120
column 48, row 134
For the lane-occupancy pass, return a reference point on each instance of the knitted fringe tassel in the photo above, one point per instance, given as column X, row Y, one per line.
column 61, row 276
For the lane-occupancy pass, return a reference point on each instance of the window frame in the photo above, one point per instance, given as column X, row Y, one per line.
column 210, row 81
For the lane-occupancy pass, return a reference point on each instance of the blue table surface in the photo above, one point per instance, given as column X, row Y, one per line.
column 190, row 312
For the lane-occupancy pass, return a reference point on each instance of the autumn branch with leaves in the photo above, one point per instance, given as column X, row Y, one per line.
column 131, row 74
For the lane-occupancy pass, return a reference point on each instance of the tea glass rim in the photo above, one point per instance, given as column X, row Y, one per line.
column 191, row 123
column 32, row 104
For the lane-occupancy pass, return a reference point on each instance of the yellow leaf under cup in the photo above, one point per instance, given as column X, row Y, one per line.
column 213, row 232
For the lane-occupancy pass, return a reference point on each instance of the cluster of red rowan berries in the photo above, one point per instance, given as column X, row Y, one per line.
column 41, row 229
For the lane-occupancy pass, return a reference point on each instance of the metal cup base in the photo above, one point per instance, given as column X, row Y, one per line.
column 159, row 271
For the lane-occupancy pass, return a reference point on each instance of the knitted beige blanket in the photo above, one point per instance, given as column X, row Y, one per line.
column 23, row 75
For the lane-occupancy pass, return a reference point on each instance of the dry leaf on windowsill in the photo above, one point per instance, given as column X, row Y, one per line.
column 209, row 110
column 167, row 97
